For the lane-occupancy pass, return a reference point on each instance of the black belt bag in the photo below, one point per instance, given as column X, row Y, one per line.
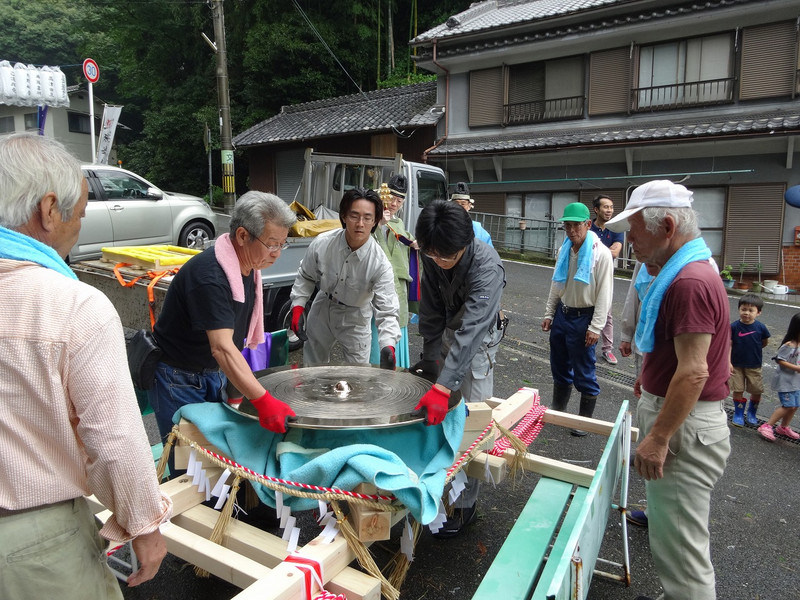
column 143, row 355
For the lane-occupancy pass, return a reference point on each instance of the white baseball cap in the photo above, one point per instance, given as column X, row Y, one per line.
column 659, row 193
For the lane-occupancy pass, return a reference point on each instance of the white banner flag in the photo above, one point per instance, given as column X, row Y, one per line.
column 110, row 118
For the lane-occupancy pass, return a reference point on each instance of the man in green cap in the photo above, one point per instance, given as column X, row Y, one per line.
column 579, row 299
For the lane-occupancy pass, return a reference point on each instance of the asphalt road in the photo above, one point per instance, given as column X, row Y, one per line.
column 754, row 525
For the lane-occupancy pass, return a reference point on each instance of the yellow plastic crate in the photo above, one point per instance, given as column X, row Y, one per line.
column 149, row 257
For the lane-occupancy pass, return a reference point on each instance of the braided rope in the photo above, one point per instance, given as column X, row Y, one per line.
column 286, row 486
column 526, row 430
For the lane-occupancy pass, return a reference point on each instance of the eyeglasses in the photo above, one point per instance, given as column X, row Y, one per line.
column 354, row 218
column 282, row 246
column 445, row 259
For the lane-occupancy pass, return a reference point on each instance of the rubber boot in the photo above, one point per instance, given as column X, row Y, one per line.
column 561, row 394
column 738, row 414
column 586, row 410
column 752, row 408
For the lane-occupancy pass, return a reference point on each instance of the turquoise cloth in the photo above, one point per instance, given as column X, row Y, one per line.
column 651, row 303
column 410, row 461
column 585, row 258
column 18, row 246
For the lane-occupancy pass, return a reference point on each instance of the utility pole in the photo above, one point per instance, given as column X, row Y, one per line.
column 224, row 106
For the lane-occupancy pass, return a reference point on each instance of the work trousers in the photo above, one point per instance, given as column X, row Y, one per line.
column 571, row 362
column 329, row 322
column 607, row 335
column 55, row 552
column 678, row 504
column 478, row 385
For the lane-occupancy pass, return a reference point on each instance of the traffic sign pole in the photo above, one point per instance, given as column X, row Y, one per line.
column 92, row 74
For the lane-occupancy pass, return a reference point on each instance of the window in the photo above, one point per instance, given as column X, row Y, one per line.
column 430, row 187
column 31, row 121
column 78, row 123
column 774, row 44
column 7, row 124
column 685, row 72
column 545, row 91
column 118, row 185
column 710, row 206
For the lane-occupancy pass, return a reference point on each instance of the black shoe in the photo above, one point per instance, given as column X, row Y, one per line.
column 578, row 432
column 455, row 524
column 643, row 598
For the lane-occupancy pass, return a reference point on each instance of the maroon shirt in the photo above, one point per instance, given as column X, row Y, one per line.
column 695, row 302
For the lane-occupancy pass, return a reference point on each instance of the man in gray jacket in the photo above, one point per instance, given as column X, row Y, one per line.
column 459, row 322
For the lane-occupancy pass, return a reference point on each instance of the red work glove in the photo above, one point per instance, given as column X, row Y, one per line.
column 435, row 404
column 272, row 413
column 388, row 360
column 297, row 312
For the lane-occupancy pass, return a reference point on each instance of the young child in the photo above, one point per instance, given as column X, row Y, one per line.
column 748, row 337
column 787, row 384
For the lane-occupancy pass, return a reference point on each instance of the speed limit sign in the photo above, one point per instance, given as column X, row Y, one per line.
column 91, row 70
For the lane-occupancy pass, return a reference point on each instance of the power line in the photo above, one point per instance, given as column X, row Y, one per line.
column 328, row 48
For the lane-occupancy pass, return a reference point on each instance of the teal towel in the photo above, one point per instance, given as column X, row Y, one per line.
column 689, row 252
column 18, row 246
column 410, row 461
column 585, row 260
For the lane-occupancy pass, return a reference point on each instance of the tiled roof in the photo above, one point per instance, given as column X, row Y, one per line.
column 381, row 110
column 625, row 133
column 492, row 14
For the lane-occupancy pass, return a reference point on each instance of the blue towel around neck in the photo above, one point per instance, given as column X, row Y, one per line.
column 585, row 258
column 689, row 252
column 410, row 461
column 18, row 246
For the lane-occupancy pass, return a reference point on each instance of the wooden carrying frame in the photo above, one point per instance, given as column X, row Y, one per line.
column 254, row 559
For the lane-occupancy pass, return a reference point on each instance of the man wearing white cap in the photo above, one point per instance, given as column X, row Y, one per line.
column 684, row 334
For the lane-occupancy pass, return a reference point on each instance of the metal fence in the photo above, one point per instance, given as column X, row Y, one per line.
column 519, row 234
column 534, row 236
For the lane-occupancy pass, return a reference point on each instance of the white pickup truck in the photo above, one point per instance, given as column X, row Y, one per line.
column 325, row 179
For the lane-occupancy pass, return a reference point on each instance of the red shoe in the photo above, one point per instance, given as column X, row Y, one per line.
column 766, row 432
column 788, row 432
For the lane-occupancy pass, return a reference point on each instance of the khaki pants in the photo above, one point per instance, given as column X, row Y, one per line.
column 55, row 552
column 678, row 504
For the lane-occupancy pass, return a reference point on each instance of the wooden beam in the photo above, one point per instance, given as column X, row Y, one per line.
column 509, row 412
column 555, row 469
column 790, row 152
column 497, row 161
column 555, row 417
column 629, row 160
column 270, row 550
column 469, row 167
column 497, row 466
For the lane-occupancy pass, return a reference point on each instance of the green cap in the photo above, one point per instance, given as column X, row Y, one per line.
column 577, row 211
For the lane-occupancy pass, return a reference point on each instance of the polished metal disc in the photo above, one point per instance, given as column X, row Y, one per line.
column 347, row 396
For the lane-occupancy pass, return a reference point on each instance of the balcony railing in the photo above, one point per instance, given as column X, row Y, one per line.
column 555, row 109
column 663, row 97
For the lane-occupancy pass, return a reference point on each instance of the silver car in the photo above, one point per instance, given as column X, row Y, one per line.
column 125, row 209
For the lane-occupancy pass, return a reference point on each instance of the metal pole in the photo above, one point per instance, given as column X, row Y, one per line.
column 224, row 105
column 91, row 122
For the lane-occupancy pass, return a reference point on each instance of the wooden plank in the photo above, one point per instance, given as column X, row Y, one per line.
column 561, row 553
column 514, row 408
column 518, row 563
column 497, row 466
column 556, row 469
column 555, row 417
column 270, row 550
column 185, row 495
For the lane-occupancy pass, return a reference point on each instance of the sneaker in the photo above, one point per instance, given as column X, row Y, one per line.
column 610, row 358
column 456, row 523
column 637, row 517
column 788, row 432
column 766, row 432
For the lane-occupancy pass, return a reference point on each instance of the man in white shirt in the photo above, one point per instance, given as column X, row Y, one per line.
column 355, row 280
column 577, row 306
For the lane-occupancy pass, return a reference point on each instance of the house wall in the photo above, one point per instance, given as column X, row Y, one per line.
column 57, row 124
